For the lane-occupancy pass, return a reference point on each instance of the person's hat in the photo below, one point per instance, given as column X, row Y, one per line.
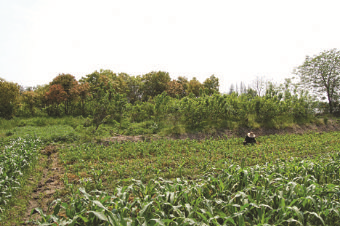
column 251, row 135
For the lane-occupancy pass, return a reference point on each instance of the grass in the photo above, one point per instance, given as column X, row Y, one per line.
column 53, row 133
column 8, row 125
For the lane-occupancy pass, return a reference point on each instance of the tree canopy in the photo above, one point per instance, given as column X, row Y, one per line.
column 9, row 98
column 321, row 74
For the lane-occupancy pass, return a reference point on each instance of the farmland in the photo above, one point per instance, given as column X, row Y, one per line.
column 290, row 179
column 118, row 149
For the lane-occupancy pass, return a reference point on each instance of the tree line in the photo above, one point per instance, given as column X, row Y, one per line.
column 64, row 95
column 104, row 95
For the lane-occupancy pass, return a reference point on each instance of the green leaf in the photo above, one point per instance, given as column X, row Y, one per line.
column 315, row 214
column 56, row 209
column 141, row 213
column 203, row 217
column 99, row 204
column 293, row 220
column 229, row 219
column 158, row 221
column 99, row 215
column 298, row 213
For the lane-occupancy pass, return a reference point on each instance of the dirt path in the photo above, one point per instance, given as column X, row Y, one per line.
column 49, row 184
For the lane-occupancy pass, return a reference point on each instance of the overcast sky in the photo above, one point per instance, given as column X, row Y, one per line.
column 234, row 40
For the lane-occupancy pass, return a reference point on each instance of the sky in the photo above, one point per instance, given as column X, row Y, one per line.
column 236, row 41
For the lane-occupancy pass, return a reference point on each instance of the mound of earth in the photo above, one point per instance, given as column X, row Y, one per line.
column 241, row 132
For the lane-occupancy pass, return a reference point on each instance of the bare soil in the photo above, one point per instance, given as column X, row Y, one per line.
column 49, row 184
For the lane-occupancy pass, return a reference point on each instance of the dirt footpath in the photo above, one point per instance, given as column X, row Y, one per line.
column 49, row 184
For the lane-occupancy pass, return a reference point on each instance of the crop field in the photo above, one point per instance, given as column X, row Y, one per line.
column 189, row 158
column 283, row 180
column 17, row 160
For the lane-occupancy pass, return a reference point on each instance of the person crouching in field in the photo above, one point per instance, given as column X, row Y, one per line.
column 250, row 139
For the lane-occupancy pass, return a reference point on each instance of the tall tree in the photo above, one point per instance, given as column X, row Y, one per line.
column 9, row 98
column 105, row 80
column 29, row 101
column 231, row 89
column 54, row 97
column 258, row 85
column 67, row 82
column 155, row 83
column 108, row 104
column 184, row 82
column 194, row 86
column 211, row 84
column 321, row 73
column 82, row 92
column 41, row 91
column 243, row 88
column 175, row 89
column 134, row 88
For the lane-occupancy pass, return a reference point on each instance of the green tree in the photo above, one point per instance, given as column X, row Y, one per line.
column 106, row 80
column 321, row 74
column 107, row 105
column 211, row 84
column 155, row 83
column 82, row 92
column 9, row 98
column 134, row 90
column 194, row 86
column 184, row 82
column 251, row 93
column 41, row 101
column 29, row 102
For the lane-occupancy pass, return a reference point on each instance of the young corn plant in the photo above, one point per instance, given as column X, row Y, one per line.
column 279, row 193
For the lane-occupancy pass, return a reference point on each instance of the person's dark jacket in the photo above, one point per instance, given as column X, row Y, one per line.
column 249, row 140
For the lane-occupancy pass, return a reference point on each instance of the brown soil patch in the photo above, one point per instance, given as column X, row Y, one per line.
column 49, row 184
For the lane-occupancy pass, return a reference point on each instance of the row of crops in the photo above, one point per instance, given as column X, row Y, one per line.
column 16, row 159
column 292, row 192
column 109, row 164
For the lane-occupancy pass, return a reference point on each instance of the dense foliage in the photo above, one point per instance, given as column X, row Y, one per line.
column 9, row 98
column 162, row 104
column 321, row 73
column 16, row 158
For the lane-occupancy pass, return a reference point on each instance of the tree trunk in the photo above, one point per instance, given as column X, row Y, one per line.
column 330, row 103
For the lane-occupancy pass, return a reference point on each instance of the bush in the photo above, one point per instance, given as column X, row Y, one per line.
column 325, row 120
column 146, row 127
